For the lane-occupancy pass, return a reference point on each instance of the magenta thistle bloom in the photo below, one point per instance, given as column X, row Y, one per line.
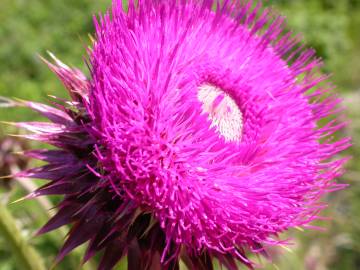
column 197, row 136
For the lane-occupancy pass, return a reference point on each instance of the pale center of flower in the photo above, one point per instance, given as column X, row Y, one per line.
column 223, row 112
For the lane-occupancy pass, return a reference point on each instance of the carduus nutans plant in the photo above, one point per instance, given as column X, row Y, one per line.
column 196, row 136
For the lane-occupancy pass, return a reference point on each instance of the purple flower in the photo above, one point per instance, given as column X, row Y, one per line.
column 197, row 136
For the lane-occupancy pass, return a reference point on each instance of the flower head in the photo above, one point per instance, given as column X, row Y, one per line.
column 10, row 163
column 197, row 136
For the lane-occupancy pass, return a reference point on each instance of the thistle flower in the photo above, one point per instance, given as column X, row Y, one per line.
column 10, row 163
column 197, row 136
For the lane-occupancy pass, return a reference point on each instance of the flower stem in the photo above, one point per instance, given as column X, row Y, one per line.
column 26, row 256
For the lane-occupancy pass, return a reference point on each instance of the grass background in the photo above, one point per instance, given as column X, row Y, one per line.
column 30, row 27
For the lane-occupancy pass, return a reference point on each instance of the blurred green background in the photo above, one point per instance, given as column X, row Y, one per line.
column 30, row 27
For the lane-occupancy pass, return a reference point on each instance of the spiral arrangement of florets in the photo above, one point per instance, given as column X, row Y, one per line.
column 195, row 137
